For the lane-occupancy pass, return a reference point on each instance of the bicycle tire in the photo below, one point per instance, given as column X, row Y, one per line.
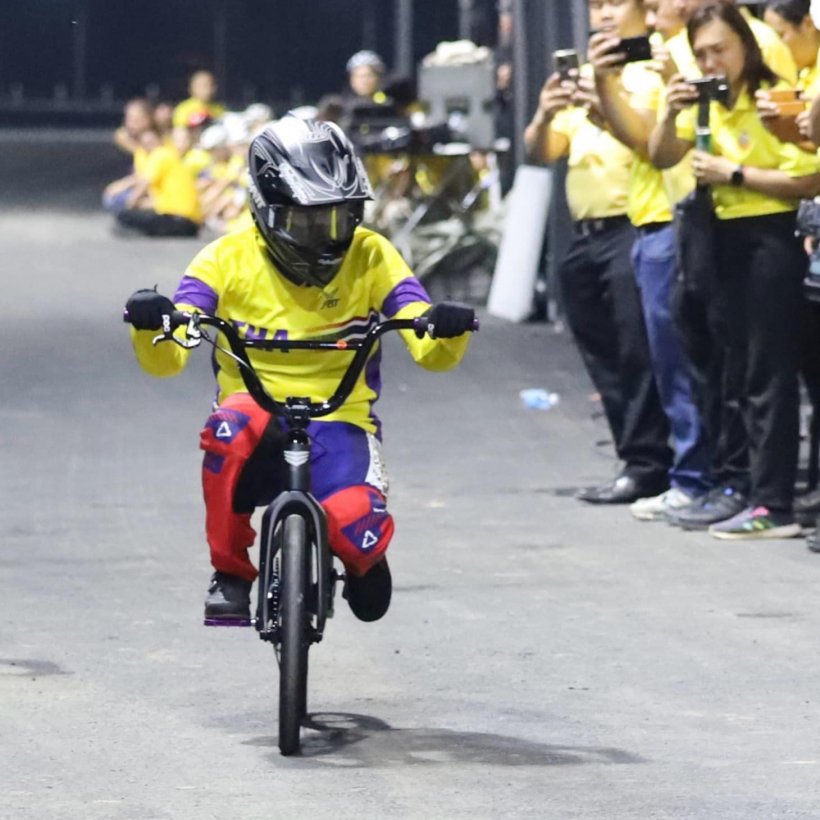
column 294, row 617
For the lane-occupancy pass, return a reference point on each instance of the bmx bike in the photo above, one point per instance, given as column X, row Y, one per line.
column 297, row 579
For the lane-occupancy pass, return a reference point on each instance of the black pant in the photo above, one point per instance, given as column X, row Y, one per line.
column 603, row 309
column 761, row 265
column 153, row 224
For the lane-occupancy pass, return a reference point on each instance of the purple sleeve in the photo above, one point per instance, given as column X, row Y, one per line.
column 196, row 293
column 407, row 291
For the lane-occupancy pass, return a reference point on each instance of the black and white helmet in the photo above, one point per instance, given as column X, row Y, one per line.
column 366, row 58
column 307, row 191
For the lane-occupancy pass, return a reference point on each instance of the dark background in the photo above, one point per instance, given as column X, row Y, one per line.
column 275, row 50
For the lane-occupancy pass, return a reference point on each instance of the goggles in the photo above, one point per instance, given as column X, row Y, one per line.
column 316, row 225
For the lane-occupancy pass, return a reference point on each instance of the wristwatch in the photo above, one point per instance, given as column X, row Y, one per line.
column 738, row 177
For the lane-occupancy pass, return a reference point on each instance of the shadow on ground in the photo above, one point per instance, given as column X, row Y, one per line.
column 343, row 739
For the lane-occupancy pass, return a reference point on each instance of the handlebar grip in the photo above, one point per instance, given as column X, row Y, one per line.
column 420, row 326
column 178, row 318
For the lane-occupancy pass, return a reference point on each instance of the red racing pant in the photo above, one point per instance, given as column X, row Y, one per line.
column 243, row 469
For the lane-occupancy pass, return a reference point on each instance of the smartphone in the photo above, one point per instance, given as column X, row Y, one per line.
column 565, row 61
column 635, row 48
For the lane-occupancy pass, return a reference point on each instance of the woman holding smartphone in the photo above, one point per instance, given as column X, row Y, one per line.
column 756, row 182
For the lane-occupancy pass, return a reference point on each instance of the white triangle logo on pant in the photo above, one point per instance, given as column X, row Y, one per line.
column 224, row 430
column 369, row 541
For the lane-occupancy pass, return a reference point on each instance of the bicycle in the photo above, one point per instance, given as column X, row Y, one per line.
column 297, row 579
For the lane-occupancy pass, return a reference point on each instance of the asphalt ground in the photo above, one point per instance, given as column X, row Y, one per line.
column 541, row 659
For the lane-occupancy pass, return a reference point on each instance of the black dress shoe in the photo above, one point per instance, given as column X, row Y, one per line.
column 623, row 490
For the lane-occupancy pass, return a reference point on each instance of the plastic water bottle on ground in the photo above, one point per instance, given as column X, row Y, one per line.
column 536, row 398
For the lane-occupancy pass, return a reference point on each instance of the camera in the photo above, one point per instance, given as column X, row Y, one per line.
column 566, row 60
column 635, row 49
column 715, row 87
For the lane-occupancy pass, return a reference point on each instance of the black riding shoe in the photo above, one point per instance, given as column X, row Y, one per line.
column 228, row 599
column 369, row 594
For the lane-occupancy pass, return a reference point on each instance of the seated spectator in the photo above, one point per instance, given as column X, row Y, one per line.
column 223, row 194
column 132, row 136
column 164, row 119
column 173, row 207
column 202, row 90
column 137, row 119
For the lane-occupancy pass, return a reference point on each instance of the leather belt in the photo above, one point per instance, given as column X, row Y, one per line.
column 589, row 227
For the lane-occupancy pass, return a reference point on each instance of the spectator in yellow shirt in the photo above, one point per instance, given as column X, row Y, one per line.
column 597, row 279
column 756, row 182
column 202, row 89
column 174, row 203
column 630, row 96
column 776, row 54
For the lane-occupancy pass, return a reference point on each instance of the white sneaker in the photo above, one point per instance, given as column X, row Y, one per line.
column 653, row 509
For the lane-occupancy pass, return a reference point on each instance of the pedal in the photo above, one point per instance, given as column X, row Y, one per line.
column 226, row 621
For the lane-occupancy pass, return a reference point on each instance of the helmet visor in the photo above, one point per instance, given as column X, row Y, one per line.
column 317, row 226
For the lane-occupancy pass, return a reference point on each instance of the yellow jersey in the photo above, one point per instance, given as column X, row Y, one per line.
column 235, row 278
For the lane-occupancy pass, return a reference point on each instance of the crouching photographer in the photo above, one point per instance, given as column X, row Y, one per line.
column 756, row 182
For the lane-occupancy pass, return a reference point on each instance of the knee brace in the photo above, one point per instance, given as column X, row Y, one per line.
column 359, row 526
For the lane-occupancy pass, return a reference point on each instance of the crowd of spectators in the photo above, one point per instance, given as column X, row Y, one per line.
column 682, row 284
column 189, row 164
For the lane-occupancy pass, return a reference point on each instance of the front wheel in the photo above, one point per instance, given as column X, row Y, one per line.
column 294, row 633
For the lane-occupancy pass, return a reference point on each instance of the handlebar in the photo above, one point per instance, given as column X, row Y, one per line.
column 361, row 347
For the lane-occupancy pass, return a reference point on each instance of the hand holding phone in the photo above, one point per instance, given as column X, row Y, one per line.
column 566, row 63
column 635, row 49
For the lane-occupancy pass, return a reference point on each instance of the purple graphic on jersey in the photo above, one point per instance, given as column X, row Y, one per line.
column 196, row 293
column 227, row 424
column 213, row 463
column 367, row 532
column 409, row 290
column 255, row 334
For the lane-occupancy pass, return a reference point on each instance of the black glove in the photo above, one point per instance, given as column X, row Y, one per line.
column 145, row 309
column 449, row 319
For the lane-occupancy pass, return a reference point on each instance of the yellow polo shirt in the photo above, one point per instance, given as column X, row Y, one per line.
column 775, row 52
column 652, row 192
column 740, row 136
column 184, row 110
column 599, row 166
column 172, row 184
